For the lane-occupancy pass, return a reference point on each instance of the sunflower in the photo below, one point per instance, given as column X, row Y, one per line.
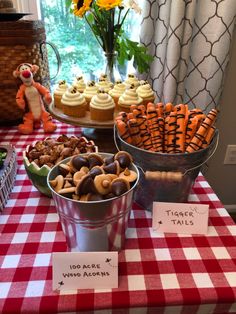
column 108, row 4
column 81, row 6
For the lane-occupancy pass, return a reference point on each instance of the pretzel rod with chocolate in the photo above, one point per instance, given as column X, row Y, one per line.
column 121, row 116
column 191, row 129
column 180, row 129
column 137, row 111
column 166, row 128
column 186, row 119
column 143, row 109
column 160, row 109
column 197, row 112
column 135, row 133
column 172, row 126
column 132, row 107
column 198, row 139
column 130, row 116
column 144, row 133
column 208, row 136
column 152, row 124
column 168, row 108
column 161, row 130
column 123, row 130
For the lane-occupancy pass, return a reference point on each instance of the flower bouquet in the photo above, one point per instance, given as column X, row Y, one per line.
column 106, row 20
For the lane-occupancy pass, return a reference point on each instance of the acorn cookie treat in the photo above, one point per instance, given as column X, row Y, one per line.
column 93, row 178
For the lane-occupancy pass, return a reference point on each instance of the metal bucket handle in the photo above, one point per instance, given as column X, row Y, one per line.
column 169, row 175
column 58, row 57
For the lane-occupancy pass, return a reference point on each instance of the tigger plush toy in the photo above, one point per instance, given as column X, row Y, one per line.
column 33, row 95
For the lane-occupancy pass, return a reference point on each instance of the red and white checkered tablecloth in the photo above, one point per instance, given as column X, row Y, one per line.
column 158, row 273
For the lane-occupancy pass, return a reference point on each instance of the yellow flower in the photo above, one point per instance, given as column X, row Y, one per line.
column 108, row 4
column 81, row 6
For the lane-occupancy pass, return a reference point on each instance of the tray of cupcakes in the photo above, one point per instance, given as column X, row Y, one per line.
column 96, row 104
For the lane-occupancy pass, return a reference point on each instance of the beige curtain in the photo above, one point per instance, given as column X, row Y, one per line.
column 190, row 41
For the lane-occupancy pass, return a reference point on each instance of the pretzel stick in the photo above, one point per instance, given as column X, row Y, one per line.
column 172, row 126
column 160, row 109
column 198, row 139
column 191, row 129
column 121, row 116
column 123, row 131
column 186, row 119
column 180, row 130
column 161, row 130
column 152, row 124
column 132, row 107
column 144, row 133
column 209, row 137
column 166, row 128
column 168, row 108
column 143, row 109
column 130, row 115
column 197, row 112
column 135, row 133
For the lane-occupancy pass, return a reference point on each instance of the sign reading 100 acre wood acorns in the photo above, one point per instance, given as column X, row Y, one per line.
column 85, row 270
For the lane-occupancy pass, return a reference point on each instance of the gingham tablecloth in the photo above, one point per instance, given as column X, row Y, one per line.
column 158, row 273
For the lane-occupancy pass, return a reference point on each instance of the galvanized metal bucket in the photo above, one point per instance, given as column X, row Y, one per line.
column 166, row 177
column 97, row 225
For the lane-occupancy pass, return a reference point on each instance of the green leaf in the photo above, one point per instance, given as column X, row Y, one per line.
column 128, row 49
column 68, row 3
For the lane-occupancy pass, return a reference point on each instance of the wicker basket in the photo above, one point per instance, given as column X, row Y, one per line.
column 7, row 174
column 20, row 41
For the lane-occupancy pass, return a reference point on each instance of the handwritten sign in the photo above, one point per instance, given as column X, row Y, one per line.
column 85, row 270
column 180, row 218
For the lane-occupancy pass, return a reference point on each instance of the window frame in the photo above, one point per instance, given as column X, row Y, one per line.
column 29, row 6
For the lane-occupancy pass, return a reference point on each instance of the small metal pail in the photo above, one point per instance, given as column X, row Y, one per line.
column 166, row 177
column 97, row 225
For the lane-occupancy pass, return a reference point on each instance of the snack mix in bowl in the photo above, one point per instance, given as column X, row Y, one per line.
column 42, row 155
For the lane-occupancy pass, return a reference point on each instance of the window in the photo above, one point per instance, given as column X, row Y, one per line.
column 77, row 46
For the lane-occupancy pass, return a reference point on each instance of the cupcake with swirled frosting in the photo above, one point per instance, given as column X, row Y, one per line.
column 90, row 90
column 118, row 89
column 102, row 106
column 145, row 92
column 132, row 80
column 74, row 103
column 60, row 89
column 128, row 98
column 104, row 84
column 79, row 83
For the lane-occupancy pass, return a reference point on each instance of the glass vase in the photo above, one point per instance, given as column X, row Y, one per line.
column 111, row 68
